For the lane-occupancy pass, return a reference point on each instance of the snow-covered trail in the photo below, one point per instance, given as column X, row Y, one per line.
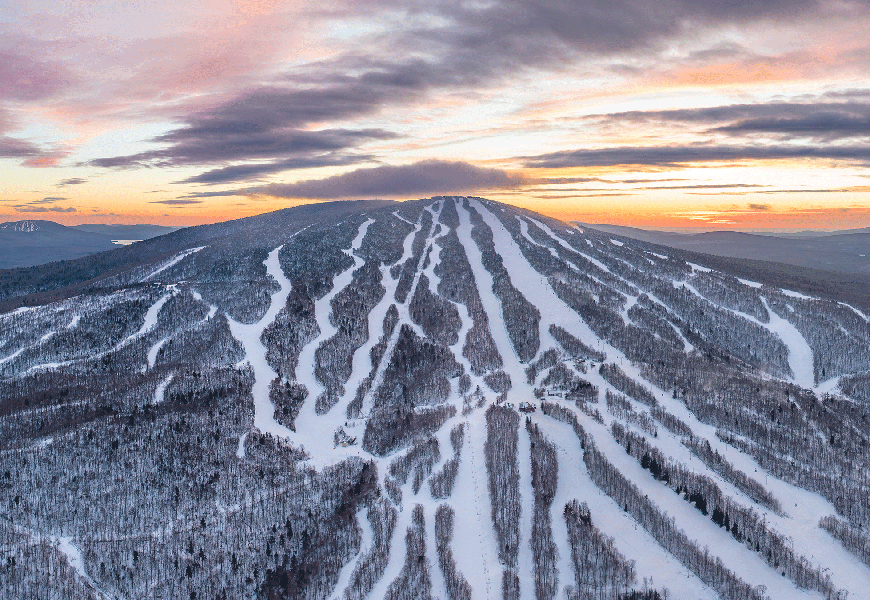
column 314, row 431
column 800, row 355
column 525, row 559
column 556, row 311
column 492, row 305
column 736, row 556
column 161, row 389
column 398, row 550
column 474, row 544
column 361, row 363
column 402, row 308
column 802, row 508
column 172, row 262
column 367, row 537
column 632, row 541
column 799, row 523
column 150, row 318
column 248, row 334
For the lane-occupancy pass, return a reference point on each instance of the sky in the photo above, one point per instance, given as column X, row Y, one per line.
column 711, row 114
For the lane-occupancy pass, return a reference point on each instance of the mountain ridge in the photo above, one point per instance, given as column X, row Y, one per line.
column 449, row 397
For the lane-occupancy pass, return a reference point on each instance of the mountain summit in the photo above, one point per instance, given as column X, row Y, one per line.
column 447, row 398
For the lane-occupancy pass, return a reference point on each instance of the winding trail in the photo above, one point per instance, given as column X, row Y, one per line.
column 255, row 352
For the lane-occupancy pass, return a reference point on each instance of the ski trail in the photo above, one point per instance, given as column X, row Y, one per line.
column 525, row 557
column 161, row 388
column 73, row 556
column 150, row 318
column 735, row 555
column 362, row 360
column 154, row 351
column 240, row 451
column 313, row 431
column 401, row 218
column 856, row 311
column 801, row 507
column 366, row 539
column 800, row 355
column 255, row 352
column 172, row 262
column 491, row 304
column 404, row 316
column 631, row 540
column 398, row 550
column 439, row 587
column 474, row 544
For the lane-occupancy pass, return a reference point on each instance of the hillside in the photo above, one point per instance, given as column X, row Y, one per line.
column 36, row 242
column 842, row 252
column 446, row 398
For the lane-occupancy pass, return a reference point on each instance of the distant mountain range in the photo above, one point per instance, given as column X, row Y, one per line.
column 35, row 242
column 843, row 252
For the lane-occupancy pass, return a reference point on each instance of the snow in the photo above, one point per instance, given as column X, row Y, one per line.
column 491, row 304
column 172, row 262
column 255, row 352
column 800, row 355
column 314, row 432
column 13, row 355
column 240, row 452
column 404, row 316
column 798, row 295
column 150, row 317
column 617, row 243
column 161, row 388
column 699, row 268
column 696, row 526
column 856, row 311
column 661, row 256
column 474, row 544
column 801, row 507
column 525, row 560
column 633, row 542
column 367, row 537
column 74, row 557
column 154, row 351
column 752, row 284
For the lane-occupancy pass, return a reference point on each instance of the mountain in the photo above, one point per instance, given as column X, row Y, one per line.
column 127, row 232
column 34, row 242
column 842, row 252
column 446, row 398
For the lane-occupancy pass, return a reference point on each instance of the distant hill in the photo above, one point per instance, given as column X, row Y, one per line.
column 842, row 252
column 34, row 242
column 127, row 232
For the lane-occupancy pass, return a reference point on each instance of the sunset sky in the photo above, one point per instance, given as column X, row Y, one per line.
column 748, row 114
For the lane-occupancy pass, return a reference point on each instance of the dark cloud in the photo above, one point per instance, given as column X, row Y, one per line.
column 819, row 119
column 291, row 121
column 11, row 147
column 250, row 171
column 29, row 208
column 71, row 181
column 51, row 199
column 431, row 177
column 669, row 156
column 197, row 145
column 762, row 207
